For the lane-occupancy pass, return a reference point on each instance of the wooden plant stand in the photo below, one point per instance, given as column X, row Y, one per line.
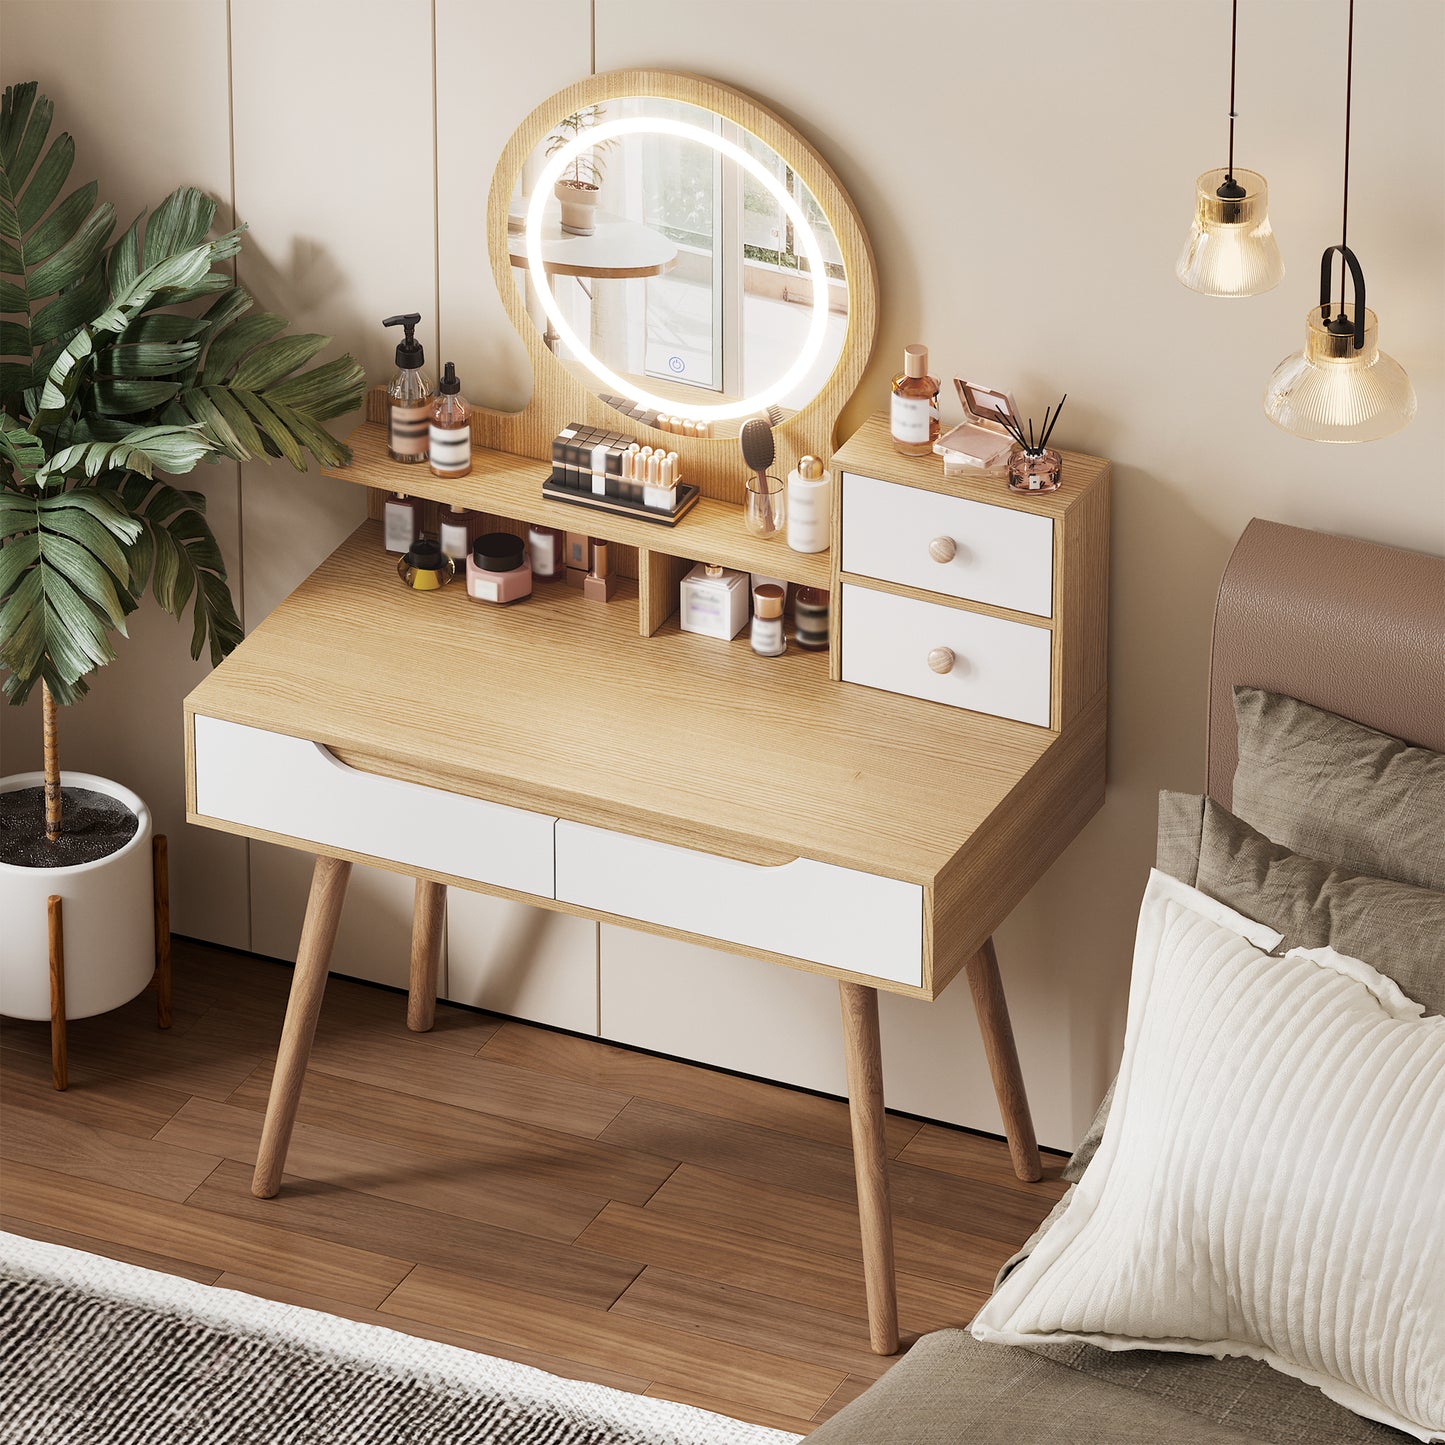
column 160, row 982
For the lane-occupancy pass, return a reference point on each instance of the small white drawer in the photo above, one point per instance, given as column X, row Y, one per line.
column 998, row 555
column 902, row 645
column 809, row 910
column 298, row 788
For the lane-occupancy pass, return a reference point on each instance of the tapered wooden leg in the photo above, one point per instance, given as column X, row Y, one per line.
column 56, row 924
column 870, row 1161
column 1003, row 1061
column 308, row 983
column 428, row 921
column 161, row 884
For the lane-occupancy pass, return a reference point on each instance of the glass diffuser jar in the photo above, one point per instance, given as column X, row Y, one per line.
column 1034, row 469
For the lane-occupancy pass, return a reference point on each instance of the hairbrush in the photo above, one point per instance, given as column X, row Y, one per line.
column 759, row 451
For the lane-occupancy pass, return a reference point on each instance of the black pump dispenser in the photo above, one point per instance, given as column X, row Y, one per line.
column 409, row 353
column 449, row 385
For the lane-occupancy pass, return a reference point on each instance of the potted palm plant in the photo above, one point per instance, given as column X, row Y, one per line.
column 124, row 362
column 578, row 186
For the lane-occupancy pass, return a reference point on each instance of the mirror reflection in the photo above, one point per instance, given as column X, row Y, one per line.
column 677, row 255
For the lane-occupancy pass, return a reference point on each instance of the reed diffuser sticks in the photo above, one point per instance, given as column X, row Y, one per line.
column 1015, row 428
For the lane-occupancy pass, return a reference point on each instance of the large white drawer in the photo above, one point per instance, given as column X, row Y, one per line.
column 998, row 667
column 297, row 788
column 815, row 911
column 1001, row 556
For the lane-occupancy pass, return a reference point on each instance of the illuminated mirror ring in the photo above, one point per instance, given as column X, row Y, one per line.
column 817, row 328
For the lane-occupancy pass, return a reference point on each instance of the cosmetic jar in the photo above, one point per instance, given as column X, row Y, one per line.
column 1036, row 471
column 810, row 617
column 426, row 567
column 498, row 569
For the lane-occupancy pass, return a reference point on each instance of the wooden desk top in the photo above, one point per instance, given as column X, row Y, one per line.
column 556, row 704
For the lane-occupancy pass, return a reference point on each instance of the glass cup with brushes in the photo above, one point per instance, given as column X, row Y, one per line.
column 764, row 513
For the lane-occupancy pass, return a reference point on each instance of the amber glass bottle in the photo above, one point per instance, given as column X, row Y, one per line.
column 913, row 417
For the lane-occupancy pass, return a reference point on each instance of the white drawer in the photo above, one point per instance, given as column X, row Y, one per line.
column 1001, row 556
column 835, row 916
column 297, row 788
column 998, row 667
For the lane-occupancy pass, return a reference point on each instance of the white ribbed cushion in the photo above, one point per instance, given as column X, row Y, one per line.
column 1272, row 1179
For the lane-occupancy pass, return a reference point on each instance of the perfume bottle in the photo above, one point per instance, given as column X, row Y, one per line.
column 544, row 550
column 810, row 506
column 401, row 521
column 767, row 635
column 426, row 568
column 913, row 417
column 810, row 618
column 449, row 437
column 408, row 397
column 714, row 601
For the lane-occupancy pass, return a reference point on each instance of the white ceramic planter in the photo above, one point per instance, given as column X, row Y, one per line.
column 108, row 912
column 579, row 207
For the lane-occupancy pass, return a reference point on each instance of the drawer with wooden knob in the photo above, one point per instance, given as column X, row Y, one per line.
column 950, row 545
column 947, row 654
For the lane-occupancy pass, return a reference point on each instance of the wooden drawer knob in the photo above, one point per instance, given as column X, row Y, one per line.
column 941, row 659
column 943, row 549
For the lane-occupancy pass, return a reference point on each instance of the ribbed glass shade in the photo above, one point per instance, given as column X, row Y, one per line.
column 1330, row 392
column 1231, row 250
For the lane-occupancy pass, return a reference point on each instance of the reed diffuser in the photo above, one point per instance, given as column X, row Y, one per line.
column 1032, row 466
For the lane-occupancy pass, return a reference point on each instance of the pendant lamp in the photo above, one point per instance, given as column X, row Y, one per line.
column 1341, row 387
column 1231, row 250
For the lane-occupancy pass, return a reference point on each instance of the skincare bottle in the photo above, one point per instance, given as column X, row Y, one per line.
column 456, row 534
column 450, row 434
column 714, row 601
column 400, row 522
column 810, row 506
column 425, row 568
column 810, row 618
column 600, row 583
column 767, row 634
column 913, row 417
column 498, row 570
column 408, row 397
column 544, row 551
column 577, row 555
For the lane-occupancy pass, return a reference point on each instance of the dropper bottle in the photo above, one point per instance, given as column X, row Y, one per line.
column 408, row 397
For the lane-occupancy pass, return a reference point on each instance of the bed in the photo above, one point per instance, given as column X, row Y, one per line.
column 1358, row 630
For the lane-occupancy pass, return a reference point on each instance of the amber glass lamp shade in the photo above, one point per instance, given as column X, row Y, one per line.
column 1230, row 250
column 1334, row 391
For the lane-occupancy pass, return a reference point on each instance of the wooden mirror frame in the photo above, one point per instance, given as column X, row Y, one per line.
column 559, row 397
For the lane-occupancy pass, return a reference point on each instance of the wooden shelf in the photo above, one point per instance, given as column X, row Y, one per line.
column 511, row 486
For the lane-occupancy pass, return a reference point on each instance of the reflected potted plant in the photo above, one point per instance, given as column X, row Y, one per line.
column 122, row 363
column 578, row 186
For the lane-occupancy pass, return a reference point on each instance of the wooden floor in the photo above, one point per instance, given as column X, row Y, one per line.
column 599, row 1213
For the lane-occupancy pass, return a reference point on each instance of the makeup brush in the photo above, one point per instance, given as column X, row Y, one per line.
column 759, row 452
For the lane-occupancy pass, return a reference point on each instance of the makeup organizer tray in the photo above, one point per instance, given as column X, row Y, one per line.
column 505, row 491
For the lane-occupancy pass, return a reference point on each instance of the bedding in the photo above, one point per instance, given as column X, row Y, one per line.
column 1330, row 788
column 1261, row 1191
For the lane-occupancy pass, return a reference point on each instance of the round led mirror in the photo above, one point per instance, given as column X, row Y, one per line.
column 682, row 255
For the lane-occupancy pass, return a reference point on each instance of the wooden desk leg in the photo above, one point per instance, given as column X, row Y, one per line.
column 870, row 1160
column 428, row 921
column 308, row 983
column 55, row 921
column 1003, row 1061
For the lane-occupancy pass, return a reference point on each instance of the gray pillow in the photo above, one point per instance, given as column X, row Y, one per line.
column 1332, row 789
column 1396, row 927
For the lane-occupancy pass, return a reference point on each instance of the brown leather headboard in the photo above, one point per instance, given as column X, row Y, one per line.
column 1346, row 625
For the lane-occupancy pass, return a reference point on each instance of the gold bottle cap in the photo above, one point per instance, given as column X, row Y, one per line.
column 810, row 469
column 915, row 360
column 768, row 601
column 712, row 569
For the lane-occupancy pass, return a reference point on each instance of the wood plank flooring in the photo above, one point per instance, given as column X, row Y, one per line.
column 648, row 1224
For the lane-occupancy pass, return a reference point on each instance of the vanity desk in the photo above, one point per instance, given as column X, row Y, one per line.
column 866, row 813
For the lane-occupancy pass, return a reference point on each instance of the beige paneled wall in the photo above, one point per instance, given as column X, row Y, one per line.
column 144, row 91
column 1025, row 173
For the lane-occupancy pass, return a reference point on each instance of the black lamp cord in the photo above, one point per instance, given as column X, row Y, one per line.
column 1349, row 87
column 1233, row 54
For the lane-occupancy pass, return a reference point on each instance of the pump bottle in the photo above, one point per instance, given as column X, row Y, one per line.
column 408, row 397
